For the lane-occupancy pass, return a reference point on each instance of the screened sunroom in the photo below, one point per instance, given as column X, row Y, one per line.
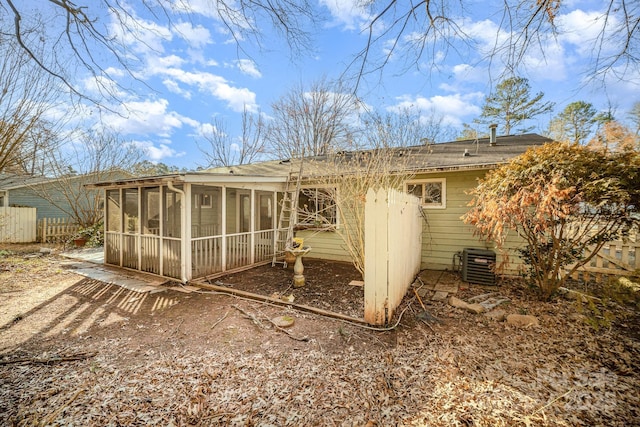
column 191, row 225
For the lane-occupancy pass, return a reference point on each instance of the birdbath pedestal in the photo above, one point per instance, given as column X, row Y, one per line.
column 298, row 268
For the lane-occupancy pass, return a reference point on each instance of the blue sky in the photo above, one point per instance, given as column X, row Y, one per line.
column 190, row 72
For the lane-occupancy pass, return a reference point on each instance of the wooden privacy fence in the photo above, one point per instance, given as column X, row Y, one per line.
column 53, row 230
column 17, row 225
column 393, row 243
column 617, row 258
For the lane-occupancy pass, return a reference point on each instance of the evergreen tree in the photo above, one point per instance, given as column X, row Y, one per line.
column 512, row 104
column 574, row 123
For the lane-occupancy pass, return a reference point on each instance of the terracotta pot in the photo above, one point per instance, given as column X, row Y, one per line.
column 80, row 242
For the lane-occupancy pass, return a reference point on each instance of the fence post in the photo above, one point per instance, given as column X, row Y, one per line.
column 376, row 259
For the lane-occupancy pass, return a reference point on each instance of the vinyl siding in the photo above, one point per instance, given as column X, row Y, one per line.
column 443, row 232
column 325, row 245
column 28, row 198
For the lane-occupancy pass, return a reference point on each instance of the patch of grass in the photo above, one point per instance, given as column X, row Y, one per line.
column 5, row 253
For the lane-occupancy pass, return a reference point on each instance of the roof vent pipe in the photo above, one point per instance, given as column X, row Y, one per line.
column 492, row 134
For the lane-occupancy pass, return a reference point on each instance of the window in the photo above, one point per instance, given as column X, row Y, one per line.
column 432, row 192
column 265, row 211
column 317, row 208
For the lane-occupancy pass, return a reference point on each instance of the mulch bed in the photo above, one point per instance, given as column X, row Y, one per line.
column 326, row 285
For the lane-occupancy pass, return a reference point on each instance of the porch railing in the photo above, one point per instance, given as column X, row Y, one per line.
column 206, row 256
column 238, row 252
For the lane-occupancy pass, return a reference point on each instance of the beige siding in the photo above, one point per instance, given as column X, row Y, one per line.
column 444, row 232
column 325, row 245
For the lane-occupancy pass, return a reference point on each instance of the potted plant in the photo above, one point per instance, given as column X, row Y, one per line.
column 81, row 237
column 92, row 235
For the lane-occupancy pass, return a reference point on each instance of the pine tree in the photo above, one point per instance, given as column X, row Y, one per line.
column 512, row 104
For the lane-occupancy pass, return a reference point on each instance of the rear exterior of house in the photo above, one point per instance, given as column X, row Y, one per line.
column 192, row 225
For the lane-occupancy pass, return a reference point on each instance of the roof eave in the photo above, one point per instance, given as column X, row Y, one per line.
column 193, row 178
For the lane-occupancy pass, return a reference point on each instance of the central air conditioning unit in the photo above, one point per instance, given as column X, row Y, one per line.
column 477, row 266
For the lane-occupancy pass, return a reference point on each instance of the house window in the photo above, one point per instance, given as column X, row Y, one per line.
column 317, row 208
column 432, row 192
column 204, row 200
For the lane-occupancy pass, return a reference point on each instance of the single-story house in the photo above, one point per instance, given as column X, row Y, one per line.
column 196, row 224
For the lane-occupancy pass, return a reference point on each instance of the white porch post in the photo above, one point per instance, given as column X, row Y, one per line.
column 274, row 221
column 139, row 230
column 121, row 233
column 223, row 255
column 161, row 196
column 186, row 240
column 252, row 228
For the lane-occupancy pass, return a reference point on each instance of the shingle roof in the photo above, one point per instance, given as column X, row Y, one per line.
column 424, row 158
column 463, row 154
column 9, row 181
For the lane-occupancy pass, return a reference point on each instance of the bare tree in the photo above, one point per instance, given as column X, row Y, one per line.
column 27, row 93
column 634, row 117
column 402, row 127
column 421, row 31
column 73, row 32
column 413, row 31
column 223, row 149
column 346, row 178
column 312, row 121
column 92, row 157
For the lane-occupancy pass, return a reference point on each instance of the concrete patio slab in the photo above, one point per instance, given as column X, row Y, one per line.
column 89, row 263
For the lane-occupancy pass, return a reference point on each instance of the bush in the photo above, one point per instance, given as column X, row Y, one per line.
column 94, row 234
column 563, row 201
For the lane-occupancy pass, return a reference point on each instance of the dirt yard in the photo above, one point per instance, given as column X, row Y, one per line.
column 75, row 351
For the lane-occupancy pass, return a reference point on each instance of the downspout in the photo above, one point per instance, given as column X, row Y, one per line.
column 183, row 231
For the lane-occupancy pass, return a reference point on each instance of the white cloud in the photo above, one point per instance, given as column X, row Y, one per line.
column 161, row 62
column 138, row 34
column 236, row 98
column 99, row 85
column 158, row 152
column 196, row 37
column 173, row 87
column 146, row 118
column 348, row 13
column 249, row 68
column 549, row 64
column 581, row 29
column 454, row 109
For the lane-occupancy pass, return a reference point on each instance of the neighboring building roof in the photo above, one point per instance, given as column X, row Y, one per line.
column 15, row 181
column 454, row 155
column 10, row 181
